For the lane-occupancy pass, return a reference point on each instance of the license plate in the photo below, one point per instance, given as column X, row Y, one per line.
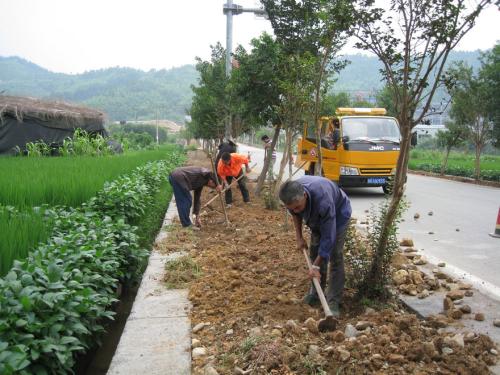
column 376, row 180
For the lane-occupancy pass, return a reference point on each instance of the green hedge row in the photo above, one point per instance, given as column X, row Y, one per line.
column 53, row 304
column 488, row 175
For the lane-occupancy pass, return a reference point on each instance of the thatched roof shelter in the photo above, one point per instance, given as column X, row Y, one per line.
column 24, row 120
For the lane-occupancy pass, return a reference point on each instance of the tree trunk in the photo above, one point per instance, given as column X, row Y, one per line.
column 445, row 161
column 267, row 161
column 284, row 162
column 374, row 282
column 290, row 158
column 477, row 163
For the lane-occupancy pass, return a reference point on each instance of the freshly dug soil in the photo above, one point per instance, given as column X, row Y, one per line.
column 250, row 298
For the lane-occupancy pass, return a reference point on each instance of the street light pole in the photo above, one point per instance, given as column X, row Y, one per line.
column 230, row 9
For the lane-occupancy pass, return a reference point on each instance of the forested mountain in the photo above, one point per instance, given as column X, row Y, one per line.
column 127, row 94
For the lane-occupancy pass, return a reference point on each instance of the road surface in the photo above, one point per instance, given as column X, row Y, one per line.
column 463, row 216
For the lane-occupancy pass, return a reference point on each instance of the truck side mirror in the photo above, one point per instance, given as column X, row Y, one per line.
column 345, row 139
column 413, row 140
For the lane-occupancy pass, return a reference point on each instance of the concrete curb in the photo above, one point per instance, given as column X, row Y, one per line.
column 157, row 336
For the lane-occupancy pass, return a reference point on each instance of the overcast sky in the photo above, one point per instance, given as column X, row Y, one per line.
column 73, row 36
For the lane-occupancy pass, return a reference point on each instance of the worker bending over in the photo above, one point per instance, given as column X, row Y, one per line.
column 229, row 167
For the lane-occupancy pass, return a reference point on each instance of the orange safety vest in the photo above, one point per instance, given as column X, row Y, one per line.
column 234, row 167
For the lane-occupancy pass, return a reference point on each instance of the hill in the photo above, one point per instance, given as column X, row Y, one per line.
column 131, row 94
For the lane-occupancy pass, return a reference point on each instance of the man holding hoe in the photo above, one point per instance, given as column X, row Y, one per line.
column 183, row 181
column 326, row 210
column 229, row 167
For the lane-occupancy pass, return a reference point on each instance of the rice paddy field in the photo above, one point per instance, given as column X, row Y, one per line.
column 28, row 183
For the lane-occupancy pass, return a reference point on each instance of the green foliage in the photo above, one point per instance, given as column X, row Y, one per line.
column 210, row 106
column 459, row 164
column 135, row 136
column 65, row 181
column 21, row 232
column 361, row 252
column 490, row 75
column 53, row 304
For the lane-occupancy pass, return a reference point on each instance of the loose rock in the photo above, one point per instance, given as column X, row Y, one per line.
column 195, row 343
column 350, row 331
column 396, row 358
column 441, row 264
column 363, row 324
column 199, row 352
column 469, row 293
column 338, row 336
column 344, row 354
column 416, row 216
column 496, row 322
column 311, row 325
column 465, row 309
column 430, row 213
column 447, row 304
column 406, row 242
column 209, row 370
column 292, row 326
column 479, row 317
column 447, row 350
column 255, row 332
column 199, row 327
column 455, row 294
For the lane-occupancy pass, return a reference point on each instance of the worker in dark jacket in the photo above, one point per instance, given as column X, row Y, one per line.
column 185, row 179
column 326, row 210
column 228, row 146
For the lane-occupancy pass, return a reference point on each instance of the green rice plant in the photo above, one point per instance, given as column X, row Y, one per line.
column 21, row 232
column 65, row 181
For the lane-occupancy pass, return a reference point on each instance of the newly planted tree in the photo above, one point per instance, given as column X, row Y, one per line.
column 454, row 136
column 412, row 39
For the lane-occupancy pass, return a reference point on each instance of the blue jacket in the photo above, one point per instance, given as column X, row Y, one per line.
column 327, row 211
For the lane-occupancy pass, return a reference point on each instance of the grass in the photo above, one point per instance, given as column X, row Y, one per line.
column 456, row 159
column 65, row 181
column 20, row 233
column 181, row 271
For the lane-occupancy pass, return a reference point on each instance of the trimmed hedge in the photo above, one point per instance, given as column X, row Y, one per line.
column 53, row 304
column 488, row 175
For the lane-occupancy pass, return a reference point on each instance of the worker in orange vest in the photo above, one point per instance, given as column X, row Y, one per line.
column 229, row 167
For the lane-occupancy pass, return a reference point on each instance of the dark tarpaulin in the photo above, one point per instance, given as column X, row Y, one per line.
column 14, row 133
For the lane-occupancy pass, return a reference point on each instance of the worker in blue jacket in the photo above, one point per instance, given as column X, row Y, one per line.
column 326, row 210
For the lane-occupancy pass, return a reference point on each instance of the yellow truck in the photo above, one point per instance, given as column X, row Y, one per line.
column 359, row 146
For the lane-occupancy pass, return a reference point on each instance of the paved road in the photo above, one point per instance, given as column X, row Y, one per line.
column 470, row 252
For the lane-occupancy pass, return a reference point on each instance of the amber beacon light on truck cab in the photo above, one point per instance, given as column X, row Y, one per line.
column 360, row 147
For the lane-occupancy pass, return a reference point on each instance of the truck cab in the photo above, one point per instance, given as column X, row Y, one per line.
column 360, row 147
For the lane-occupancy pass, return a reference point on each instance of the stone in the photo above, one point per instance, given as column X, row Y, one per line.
column 431, row 232
column 209, row 370
column 479, row 317
column 276, row 332
column 370, row 311
column 363, row 324
column 420, row 261
column 344, row 354
column 441, row 264
column 199, row 352
column 464, row 286
column 447, row 350
column 447, row 304
column 457, row 230
column 430, row 213
column 493, row 351
column 416, row 277
column 406, row 242
column 469, row 293
column 376, row 357
column 459, row 339
column 311, row 325
column 350, row 331
column 337, row 336
column 416, row 216
column 469, row 337
column 400, row 277
column 409, row 250
column 496, row 323
column 396, row 358
column 423, row 294
column 195, row 343
column 292, row 326
column 255, row 332
column 465, row 309
column 429, row 348
column 455, row 314
column 455, row 294
column 229, row 332
column 199, row 327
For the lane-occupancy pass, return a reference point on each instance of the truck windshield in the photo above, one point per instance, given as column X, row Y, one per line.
column 370, row 128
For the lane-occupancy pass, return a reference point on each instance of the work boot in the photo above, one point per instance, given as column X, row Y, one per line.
column 334, row 308
column 311, row 299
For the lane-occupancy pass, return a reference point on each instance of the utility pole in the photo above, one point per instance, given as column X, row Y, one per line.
column 230, row 9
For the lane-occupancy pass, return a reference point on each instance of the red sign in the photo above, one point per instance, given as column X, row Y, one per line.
column 313, row 152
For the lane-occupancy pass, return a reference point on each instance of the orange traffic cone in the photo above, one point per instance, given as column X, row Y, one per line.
column 496, row 233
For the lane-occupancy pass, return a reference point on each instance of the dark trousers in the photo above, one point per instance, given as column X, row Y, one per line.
column 336, row 277
column 243, row 188
column 183, row 200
